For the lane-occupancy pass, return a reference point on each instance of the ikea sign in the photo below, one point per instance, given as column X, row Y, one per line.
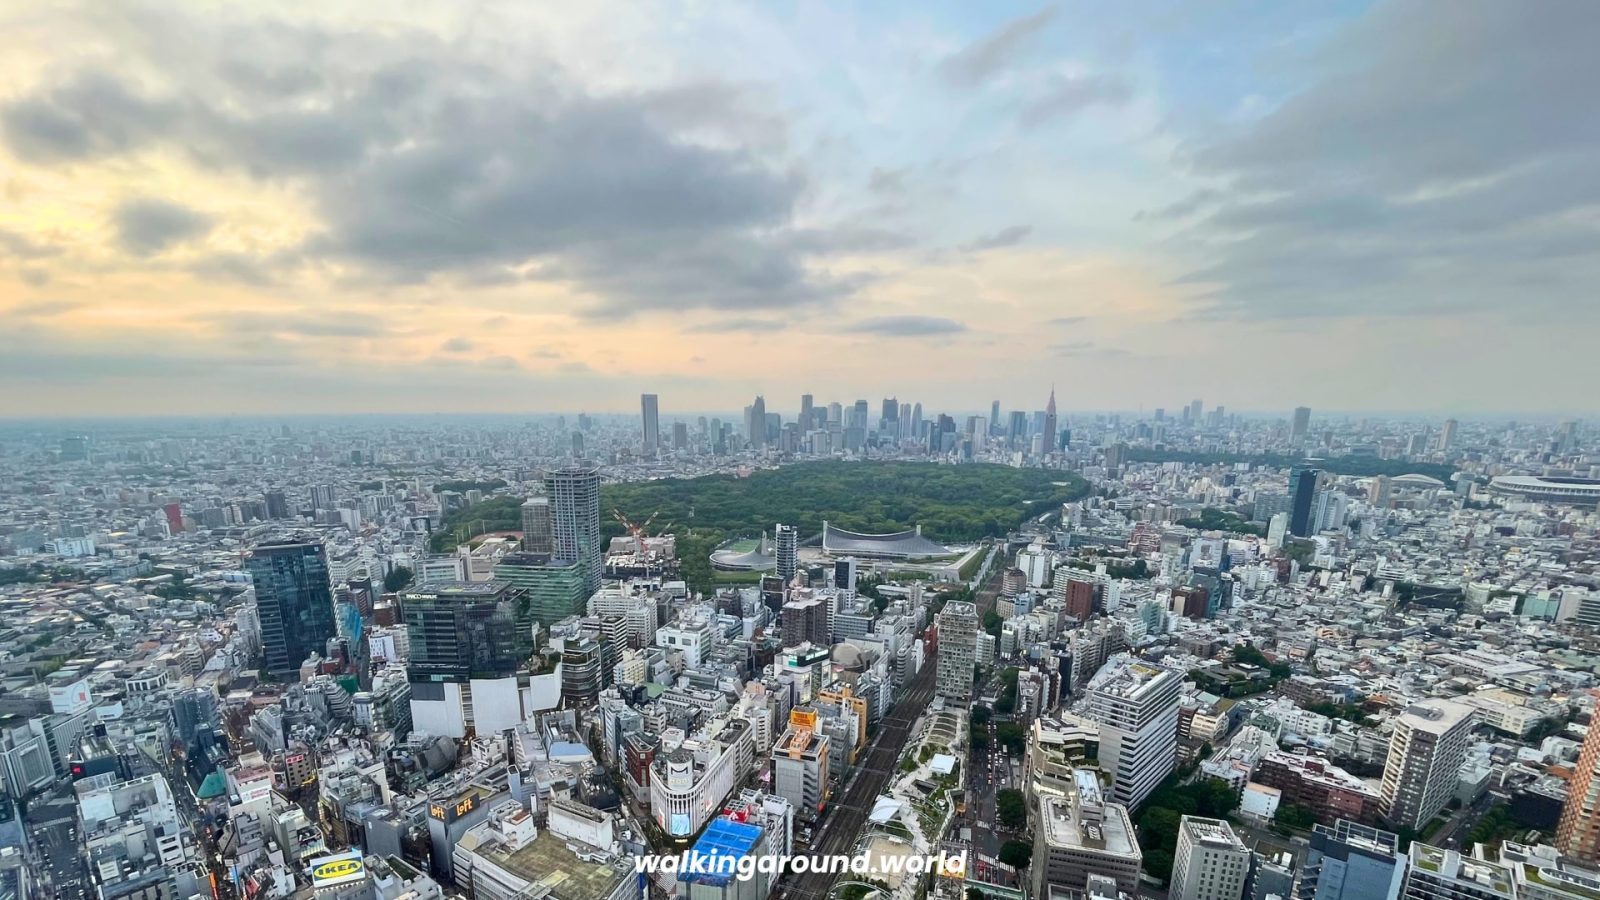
column 332, row 870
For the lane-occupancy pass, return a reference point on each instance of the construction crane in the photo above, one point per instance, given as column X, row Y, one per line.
column 637, row 532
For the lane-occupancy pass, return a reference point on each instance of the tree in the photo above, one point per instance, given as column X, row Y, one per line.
column 1158, row 863
column 1011, row 808
column 1011, row 737
column 1249, row 655
column 978, row 735
column 1156, row 826
column 1295, row 817
column 398, row 578
column 1016, row 854
column 992, row 622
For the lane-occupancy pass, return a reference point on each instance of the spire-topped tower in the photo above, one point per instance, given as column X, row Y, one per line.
column 1050, row 422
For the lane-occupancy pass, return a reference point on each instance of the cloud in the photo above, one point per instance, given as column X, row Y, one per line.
column 889, row 182
column 1069, row 95
column 22, row 246
column 737, row 324
column 1085, row 348
column 55, row 362
column 981, row 60
column 1413, row 174
column 907, row 326
column 458, row 345
column 323, row 324
column 422, row 158
column 146, row 226
column 43, row 309
column 1068, row 320
column 239, row 267
column 1005, row 237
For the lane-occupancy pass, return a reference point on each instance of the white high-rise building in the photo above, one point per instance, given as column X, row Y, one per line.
column 650, row 411
column 958, row 651
column 1277, row 529
column 1136, row 706
column 1425, row 755
column 1210, row 862
column 574, row 493
column 787, row 539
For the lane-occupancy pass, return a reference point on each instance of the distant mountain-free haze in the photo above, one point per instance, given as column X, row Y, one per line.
column 276, row 208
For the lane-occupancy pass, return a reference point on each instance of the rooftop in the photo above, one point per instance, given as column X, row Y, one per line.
column 1214, row 832
column 1125, row 676
column 546, row 862
column 459, row 588
column 722, row 839
column 1435, row 715
column 1110, row 833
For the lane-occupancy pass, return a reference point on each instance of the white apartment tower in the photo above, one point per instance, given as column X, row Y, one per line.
column 1425, row 754
column 958, row 651
column 1136, row 706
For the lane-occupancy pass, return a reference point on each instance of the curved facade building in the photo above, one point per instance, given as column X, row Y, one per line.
column 1548, row 489
column 898, row 545
column 689, row 782
column 728, row 559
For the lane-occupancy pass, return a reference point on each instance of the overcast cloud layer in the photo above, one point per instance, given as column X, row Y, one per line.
column 255, row 208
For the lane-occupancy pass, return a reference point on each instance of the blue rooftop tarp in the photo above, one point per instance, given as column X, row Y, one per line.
column 723, row 838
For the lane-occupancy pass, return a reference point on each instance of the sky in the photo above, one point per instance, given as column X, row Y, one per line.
column 409, row 206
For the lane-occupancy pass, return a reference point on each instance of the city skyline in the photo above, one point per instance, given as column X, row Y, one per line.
column 266, row 209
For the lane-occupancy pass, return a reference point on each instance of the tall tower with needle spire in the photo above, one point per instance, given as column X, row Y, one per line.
column 1050, row 422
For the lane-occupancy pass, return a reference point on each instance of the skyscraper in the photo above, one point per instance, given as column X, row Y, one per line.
column 1050, row 422
column 1302, row 493
column 889, row 423
column 536, row 524
column 1425, row 754
column 294, row 602
column 1301, row 426
column 755, row 425
column 650, row 410
column 1578, row 833
column 994, row 415
column 1136, row 704
column 1447, row 435
column 574, row 493
column 787, row 537
column 958, row 650
column 460, row 630
column 277, row 505
column 1210, row 862
column 1017, row 431
column 549, row 589
column 807, row 413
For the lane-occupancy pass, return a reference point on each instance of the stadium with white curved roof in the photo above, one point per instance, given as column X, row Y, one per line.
column 1548, row 488
column 897, row 545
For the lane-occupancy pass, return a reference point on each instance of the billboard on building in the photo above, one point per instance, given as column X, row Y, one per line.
column 343, row 868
